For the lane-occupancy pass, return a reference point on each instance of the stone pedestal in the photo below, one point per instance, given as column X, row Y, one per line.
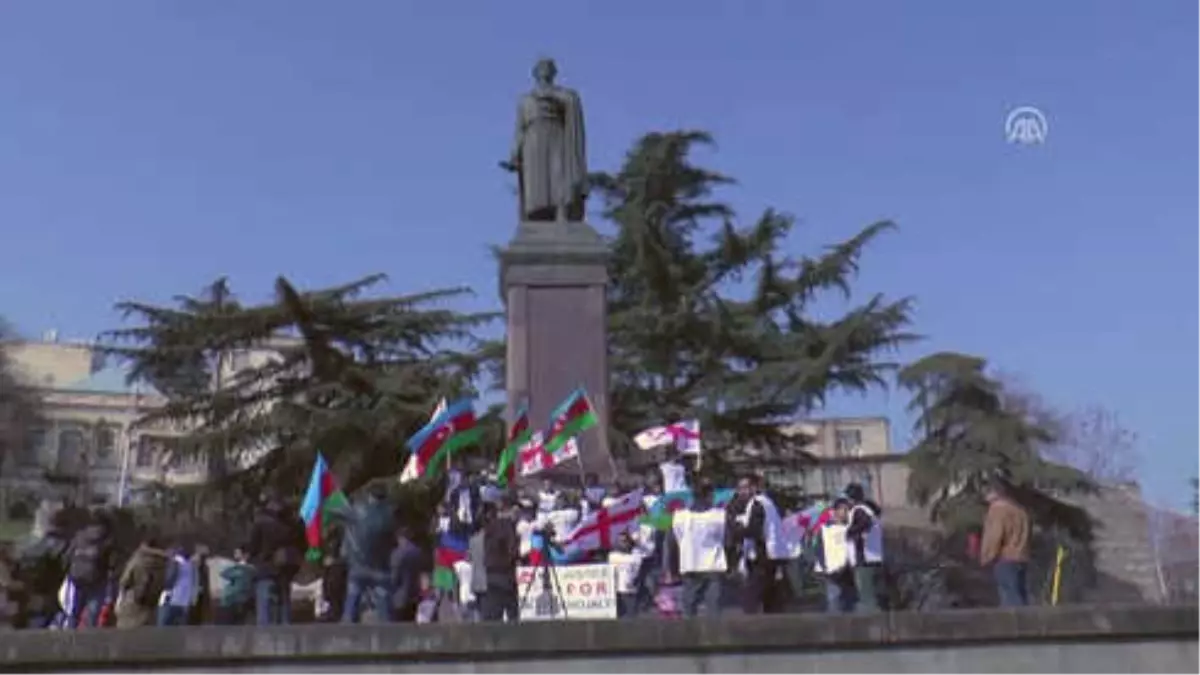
column 552, row 280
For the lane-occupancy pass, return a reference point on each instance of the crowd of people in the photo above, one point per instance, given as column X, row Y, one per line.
column 714, row 547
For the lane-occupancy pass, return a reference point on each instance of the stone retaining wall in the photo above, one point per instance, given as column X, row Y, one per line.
column 1074, row 639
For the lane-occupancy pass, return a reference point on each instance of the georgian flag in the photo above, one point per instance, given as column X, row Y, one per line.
column 684, row 435
column 599, row 529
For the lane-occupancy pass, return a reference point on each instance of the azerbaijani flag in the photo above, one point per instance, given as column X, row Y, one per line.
column 451, row 549
column 453, row 429
column 322, row 493
column 571, row 418
column 519, row 434
column 661, row 513
column 412, row 468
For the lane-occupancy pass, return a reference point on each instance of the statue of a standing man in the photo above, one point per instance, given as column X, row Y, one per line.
column 549, row 153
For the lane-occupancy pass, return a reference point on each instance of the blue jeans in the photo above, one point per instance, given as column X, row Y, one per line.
column 272, row 601
column 701, row 588
column 361, row 582
column 646, row 584
column 1010, row 583
column 626, row 605
column 840, row 595
column 171, row 615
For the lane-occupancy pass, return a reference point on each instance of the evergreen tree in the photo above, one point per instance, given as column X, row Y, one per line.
column 969, row 433
column 350, row 376
column 712, row 319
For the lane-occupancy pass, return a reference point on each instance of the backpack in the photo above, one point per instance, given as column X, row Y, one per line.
column 84, row 566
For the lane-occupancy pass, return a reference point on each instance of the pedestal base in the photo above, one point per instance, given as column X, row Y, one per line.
column 553, row 278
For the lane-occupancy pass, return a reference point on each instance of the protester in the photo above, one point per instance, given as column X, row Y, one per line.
column 182, row 586
column 626, row 563
column 370, row 534
column 141, row 584
column 699, row 530
column 201, row 611
column 865, row 535
column 426, row 606
column 763, row 549
column 41, row 570
column 501, row 551
column 334, row 583
column 832, row 559
column 477, row 582
column 673, row 472
column 90, row 569
column 237, row 595
column 275, row 549
column 1005, row 544
column 548, row 498
column 464, row 502
column 405, row 568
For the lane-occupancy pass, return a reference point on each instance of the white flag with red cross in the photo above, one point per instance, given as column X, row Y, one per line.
column 599, row 529
column 684, row 436
column 533, row 457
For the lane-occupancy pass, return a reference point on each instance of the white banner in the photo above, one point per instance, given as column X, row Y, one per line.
column 588, row 592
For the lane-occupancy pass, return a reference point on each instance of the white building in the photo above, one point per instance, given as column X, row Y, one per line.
column 89, row 448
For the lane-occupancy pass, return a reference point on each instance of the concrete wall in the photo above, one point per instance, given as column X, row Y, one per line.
column 1078, row 639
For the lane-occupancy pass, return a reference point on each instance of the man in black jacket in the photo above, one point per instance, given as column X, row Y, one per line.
column 501, row 549
column 41, row 570
column 276, row 549
column 761, row 592
column 464, row 505
column 865, row 534
column 90, row 565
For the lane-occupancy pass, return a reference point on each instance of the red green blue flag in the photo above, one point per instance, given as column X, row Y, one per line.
column 519, row 434
column 571, row 418
column 322, row 494
column 451, row 549
column 446, row 433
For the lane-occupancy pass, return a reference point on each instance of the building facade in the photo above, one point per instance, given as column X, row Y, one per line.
column 844, row 450
column 90, row 448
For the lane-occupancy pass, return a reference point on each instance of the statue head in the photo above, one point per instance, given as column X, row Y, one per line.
column 544, row 71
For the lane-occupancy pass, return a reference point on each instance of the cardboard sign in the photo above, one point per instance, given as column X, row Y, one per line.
column 582, row 592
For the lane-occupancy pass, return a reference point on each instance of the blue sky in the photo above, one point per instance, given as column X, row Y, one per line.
column 147, row 147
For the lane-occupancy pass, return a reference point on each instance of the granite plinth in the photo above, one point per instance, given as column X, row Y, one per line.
column 553, row 279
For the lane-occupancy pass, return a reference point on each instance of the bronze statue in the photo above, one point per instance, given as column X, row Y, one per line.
column 549, row 154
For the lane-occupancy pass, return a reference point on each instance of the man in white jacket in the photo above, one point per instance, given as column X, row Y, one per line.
column 699, row 531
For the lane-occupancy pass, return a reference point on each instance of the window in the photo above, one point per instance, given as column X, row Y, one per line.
column 144, row 457
column 848, row 442
column 71, row 448
column 35, row 447
column 106, row 443
column 831, row 480
column 867, row 479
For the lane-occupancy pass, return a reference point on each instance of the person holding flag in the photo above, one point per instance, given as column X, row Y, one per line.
column 370, row 537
